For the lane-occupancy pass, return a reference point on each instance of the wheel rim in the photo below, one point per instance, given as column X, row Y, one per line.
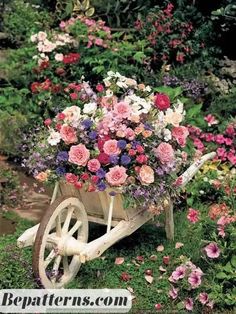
column 68, row 219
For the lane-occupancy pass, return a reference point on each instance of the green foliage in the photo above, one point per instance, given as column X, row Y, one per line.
column 10, row 192
column 11, row 126
column 22, row 19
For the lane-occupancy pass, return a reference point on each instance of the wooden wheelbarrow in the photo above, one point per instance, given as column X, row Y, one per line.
column 61, row 239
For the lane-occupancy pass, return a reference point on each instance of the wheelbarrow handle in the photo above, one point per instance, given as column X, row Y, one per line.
column 193, row 169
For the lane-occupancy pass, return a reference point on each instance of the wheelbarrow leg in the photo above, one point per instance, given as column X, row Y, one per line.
column 169, row 223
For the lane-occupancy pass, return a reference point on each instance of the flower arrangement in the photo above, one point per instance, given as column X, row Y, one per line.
column 121, row 136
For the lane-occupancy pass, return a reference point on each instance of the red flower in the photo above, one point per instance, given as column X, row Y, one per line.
column 85, row 176
column 95, row 179
column 58, row 126
column 78, row 185
column 35, row 87
column 140, row 149
column 71, row 178
column 162, row 101
column 47, row 122
column 74, row 96
column 100, row 88
column 91, row 188
column 61, row 116
column 71, row 58
column 103, row 158
column 141, row 159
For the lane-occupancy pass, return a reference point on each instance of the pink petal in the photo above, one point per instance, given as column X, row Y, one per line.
column 119, row 260
column 178, row 245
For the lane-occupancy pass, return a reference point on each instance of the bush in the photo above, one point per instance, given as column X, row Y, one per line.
column 21, row 18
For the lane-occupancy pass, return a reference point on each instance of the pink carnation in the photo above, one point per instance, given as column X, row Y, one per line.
column 122, row 110
column 165, row 153
column 193, row 215
column 110, row 147
column 79, row 155
column 93, row 165
column 116, row 176
column 68, row 134
column 180, row 133
column 212, row 250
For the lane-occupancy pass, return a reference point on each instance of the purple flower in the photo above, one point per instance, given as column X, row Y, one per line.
column 148, row 127
column 101, row 186
column 159, row 171
column 135, row 144
column 194, row 279
column 87, row 123
column 212, row 250
column 114, row 159
column 125, row 160
column 188, row 303
column 122, row 144
column 60, row 171
column 203, row 297
column 62, row 156
column 101, row 173
column 92, row 135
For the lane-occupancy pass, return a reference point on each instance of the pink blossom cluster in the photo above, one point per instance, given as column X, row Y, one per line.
column 93, row 28
column 222, row 223
column 191, row 275
column 224, row 143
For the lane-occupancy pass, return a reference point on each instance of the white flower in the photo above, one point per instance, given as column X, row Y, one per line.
column 59, row 56
column 90, row 108
column 121, row 84
column 41, row 36
column 167, row 135
column 72, row 115
column 54, row 138
column 138, row 104
column 33, row 38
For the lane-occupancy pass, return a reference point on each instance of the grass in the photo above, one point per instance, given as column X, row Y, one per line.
column 16, row 271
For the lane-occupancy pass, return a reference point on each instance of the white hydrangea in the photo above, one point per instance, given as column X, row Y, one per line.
column 138, row 104
column 90, row 108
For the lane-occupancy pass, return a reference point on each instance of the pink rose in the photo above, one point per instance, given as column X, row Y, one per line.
column 122, row 110
column 146, row 174
column 93, row 165
column 165, row 153
column 68, row 134
column 110, row 147
column 180, row 133
column 79, row 155
column 129, row 134
column 116, row 176
column 162, row 101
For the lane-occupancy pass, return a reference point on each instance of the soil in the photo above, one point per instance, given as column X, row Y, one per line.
column 35, row 199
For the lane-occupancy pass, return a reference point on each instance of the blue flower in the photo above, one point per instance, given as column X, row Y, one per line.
column 125, row 160
column 87, row 123
column 92, row 135
column 62, row 156
column 101, row 186
column 60, row 171
column 114, row 159
column 101, row 173
column 122, row 144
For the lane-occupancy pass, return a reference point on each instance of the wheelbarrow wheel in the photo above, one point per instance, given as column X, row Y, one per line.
column 65, row 219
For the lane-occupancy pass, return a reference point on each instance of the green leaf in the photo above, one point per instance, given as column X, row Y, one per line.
column 139, row 56
column 221, row 275
column 233, row 261
column 194, row 111
column 173, row 93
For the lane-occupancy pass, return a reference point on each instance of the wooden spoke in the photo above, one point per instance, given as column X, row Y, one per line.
column 49, row 258
column 68, row 219
column 65, row 265
column 75, row 228
column 58, row 225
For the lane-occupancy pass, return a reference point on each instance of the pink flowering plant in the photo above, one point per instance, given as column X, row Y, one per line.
column 122, row 136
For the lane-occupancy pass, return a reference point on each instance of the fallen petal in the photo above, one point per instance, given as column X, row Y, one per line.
column 160, row 248
column 162, row 269
column 178, row 245
column 119, row 260
column 149, row 278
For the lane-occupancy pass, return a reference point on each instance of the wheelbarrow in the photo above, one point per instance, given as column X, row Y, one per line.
column 61, row 239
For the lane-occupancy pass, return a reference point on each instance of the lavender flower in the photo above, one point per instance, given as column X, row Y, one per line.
column 101, row 186
column 60, row 171
column 114, row 159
